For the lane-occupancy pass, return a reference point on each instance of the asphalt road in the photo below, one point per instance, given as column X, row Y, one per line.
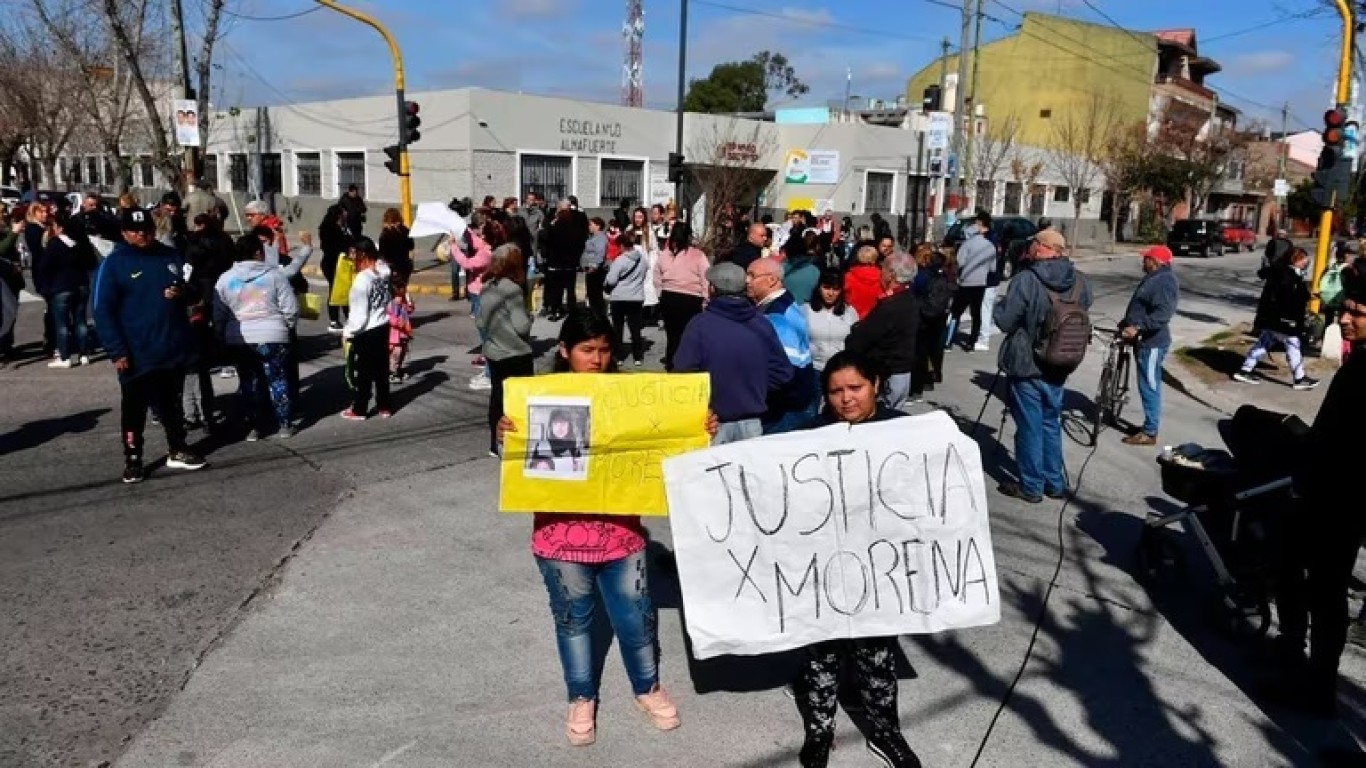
column 352, row 597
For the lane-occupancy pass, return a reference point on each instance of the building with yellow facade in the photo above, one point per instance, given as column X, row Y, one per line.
column 1052, row 69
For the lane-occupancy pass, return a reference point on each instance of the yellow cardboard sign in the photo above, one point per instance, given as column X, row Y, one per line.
column 593, row 443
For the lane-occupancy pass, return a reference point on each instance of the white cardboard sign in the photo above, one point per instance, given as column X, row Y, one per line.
column 843, row 532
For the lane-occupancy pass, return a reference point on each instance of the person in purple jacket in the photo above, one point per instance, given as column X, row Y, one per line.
column 726, row 341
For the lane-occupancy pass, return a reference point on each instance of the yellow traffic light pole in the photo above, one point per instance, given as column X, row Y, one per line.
column 405, row 183
column 1340, row 100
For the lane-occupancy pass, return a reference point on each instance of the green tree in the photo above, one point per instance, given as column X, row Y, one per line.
column 744, row 86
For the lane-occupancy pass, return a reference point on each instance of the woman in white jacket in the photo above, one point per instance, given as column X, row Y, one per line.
column 626, row 285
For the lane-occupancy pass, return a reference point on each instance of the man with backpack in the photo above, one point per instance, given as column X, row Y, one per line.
column 1047, row 327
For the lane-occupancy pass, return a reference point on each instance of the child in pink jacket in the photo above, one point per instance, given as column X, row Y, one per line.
column 473, row 255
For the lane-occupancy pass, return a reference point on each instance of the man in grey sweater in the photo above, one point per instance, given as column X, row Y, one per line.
column 976, row 261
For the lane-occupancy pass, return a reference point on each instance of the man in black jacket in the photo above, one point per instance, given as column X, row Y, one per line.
column 1322, row 541
column 1280, row 319
column 887, row 335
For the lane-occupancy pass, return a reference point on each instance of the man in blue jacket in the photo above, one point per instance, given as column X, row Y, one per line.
column 738, row 347
column 141, row 313
column 1146, row 324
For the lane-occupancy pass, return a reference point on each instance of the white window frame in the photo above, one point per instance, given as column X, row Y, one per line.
column 573, row 172
column 644, row 178
column 294, row 184
column 336, row 168
column 863, row 197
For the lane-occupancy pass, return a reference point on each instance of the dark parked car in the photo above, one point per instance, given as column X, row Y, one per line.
column 1011, row 234
column 1196, row 237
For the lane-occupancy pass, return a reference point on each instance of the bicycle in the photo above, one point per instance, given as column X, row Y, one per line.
column 1113, row 393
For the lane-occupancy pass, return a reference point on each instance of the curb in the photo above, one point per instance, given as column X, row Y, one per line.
column 417, row 289
column 1188, row 384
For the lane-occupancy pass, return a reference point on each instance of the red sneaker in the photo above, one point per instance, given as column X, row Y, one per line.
column 351, row 415
column 385, row 414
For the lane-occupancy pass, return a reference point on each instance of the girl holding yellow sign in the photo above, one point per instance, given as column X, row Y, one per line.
column 582, row 557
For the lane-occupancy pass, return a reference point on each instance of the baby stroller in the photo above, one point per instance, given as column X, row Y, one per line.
column 1235, row 503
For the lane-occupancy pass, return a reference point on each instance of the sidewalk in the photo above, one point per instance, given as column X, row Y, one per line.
column 1204, row 371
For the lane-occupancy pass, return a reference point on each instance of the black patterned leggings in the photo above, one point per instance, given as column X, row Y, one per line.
column 816, row 688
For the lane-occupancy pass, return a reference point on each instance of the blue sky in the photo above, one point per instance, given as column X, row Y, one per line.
column 574, row 48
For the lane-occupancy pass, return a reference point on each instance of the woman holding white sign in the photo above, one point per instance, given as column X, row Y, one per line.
column 586, row 557
column 851, row 382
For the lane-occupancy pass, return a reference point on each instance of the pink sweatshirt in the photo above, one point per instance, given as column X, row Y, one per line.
column 475, row 264
column 685, row 273
column 586, row 539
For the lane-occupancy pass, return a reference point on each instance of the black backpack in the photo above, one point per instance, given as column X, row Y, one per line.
column 1066, row 332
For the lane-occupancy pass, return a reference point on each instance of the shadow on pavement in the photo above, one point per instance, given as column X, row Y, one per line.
column 1190, row 608
column 34, row 433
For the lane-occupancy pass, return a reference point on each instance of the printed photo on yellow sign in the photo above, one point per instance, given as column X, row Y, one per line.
column 593, row 443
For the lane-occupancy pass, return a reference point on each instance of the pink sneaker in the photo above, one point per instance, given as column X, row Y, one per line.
column 386, row 414
column 663, row 714
column 579, row 724
column 351, row 415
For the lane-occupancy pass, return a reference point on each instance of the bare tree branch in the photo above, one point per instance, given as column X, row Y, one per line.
column 1080, row 142
column 726, row 157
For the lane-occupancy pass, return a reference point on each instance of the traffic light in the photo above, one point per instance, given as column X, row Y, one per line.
column 1333, row 177
column 931, row 99
column 411, row 121
column 392, row 163
column 675, row 168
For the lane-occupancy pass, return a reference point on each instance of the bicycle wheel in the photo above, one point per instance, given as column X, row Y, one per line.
column 1102, row 404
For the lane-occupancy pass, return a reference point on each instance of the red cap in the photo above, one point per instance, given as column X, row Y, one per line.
column 1158, row 253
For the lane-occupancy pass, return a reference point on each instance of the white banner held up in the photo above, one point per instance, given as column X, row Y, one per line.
column 186, row 121
column 437, row 219
column 842, row 532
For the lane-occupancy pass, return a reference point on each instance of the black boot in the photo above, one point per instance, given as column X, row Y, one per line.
column 891, row 747
column 815, row 752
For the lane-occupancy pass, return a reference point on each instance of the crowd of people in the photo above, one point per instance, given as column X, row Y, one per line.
column 798, row 324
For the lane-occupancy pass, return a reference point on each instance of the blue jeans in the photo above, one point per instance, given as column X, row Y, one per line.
column 574, row 589
column 1036, row 406
column 68, row 315
column 455, row 274
column 1150, row 386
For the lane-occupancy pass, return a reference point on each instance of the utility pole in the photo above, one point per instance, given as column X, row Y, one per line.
column 182, row 73
column 969, row 181
column 678, row 110
column 944, row 47
column 1280, row 173
column 960, row 97
column 405, row 180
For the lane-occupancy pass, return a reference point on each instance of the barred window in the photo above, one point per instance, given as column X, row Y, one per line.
column 1038, row 196
column 1062, row 194
column 76, row 168
column 877, row 197
column 350, row 170
column 1014, row 197
column 549, row 176
column 272, row 174
column 147, row 177
column 621, row 180
column 308, row 169
column 211, row 170
column 92, row 170
column 237, row 172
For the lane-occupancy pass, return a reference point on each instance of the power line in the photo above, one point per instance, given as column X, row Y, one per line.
column 1139, row 74
column 285, row 17
column 811, row 22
